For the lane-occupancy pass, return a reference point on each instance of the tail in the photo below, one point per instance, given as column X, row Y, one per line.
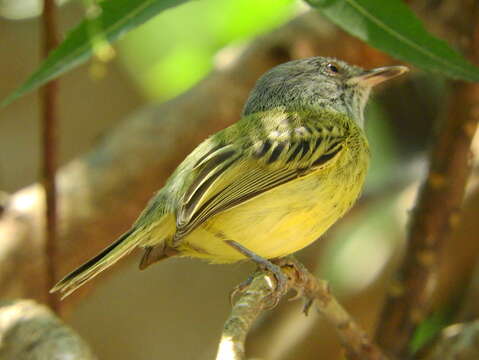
column 121, row 247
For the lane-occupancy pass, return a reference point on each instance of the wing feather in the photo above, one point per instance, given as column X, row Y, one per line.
column 229, row 175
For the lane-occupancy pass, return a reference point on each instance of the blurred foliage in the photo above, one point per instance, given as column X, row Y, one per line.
column 23, row 9
column 432, row 326
column 190, row 39
column 393, row 28
column 360, row 249
column 384, row 153
column 16, row 10
column 171, row 52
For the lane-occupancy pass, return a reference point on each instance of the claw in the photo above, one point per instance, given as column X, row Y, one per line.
column 307, row 306
column 281, row 285
column 240, row 289
column 299, row 294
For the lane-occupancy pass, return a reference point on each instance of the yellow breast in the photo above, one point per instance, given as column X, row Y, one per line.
column 287, row 218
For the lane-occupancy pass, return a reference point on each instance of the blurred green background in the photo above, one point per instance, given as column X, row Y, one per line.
column 174, row 50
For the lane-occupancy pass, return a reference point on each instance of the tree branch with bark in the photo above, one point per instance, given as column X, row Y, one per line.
column 435, row 216
column 32, row 331
column 257, row 296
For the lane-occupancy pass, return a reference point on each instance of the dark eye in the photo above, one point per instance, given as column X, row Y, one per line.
column 332, row 68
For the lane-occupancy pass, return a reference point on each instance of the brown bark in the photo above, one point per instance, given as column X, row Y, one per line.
column 437, row 211
column 49, row 117
column 436, row 214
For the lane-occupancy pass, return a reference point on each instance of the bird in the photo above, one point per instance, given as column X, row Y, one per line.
column 268, row 185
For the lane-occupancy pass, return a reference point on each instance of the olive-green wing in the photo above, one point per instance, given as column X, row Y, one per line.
column 228, row 175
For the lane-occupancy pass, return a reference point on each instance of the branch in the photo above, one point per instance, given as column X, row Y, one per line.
column 48, row 98
column 437, row 211
column 124, row 170
column 32, row 331
column 470, row 306
column 257, row 297
column 245, row 311
column 434, row 217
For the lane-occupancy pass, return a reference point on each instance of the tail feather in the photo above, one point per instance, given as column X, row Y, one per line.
column 121, row 247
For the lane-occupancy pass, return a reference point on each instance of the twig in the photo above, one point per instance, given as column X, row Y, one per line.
column 49, row 154
column 357, row 343
column 257, row 297
column 436, row 213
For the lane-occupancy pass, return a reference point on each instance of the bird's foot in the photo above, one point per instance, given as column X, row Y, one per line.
column 281, row 287
column 301, row 277
column 281, row 282
column 241, row 288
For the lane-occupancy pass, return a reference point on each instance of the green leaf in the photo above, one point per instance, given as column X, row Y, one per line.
column 115, row 17
column 393, row 28
column 430, row 327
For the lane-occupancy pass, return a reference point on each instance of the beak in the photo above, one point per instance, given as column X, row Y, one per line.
column 376, row 76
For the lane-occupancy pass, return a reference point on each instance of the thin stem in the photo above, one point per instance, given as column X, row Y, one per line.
column 48, row 98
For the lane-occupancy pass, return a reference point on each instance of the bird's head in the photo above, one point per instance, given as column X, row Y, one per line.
column 318, row 83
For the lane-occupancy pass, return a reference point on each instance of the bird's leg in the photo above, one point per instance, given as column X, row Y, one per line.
column 281, row 278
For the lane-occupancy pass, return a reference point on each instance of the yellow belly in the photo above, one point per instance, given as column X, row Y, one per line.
column 281, row 221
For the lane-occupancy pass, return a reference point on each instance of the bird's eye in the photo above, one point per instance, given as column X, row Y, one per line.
column 333, row 68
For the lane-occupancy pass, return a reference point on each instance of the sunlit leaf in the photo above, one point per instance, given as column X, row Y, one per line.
column 115, row 17
column 393, row 28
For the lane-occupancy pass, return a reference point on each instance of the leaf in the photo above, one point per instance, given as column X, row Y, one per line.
column 392, row 27
column 115, row 18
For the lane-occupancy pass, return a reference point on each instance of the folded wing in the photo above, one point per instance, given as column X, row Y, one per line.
column 229, row 175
